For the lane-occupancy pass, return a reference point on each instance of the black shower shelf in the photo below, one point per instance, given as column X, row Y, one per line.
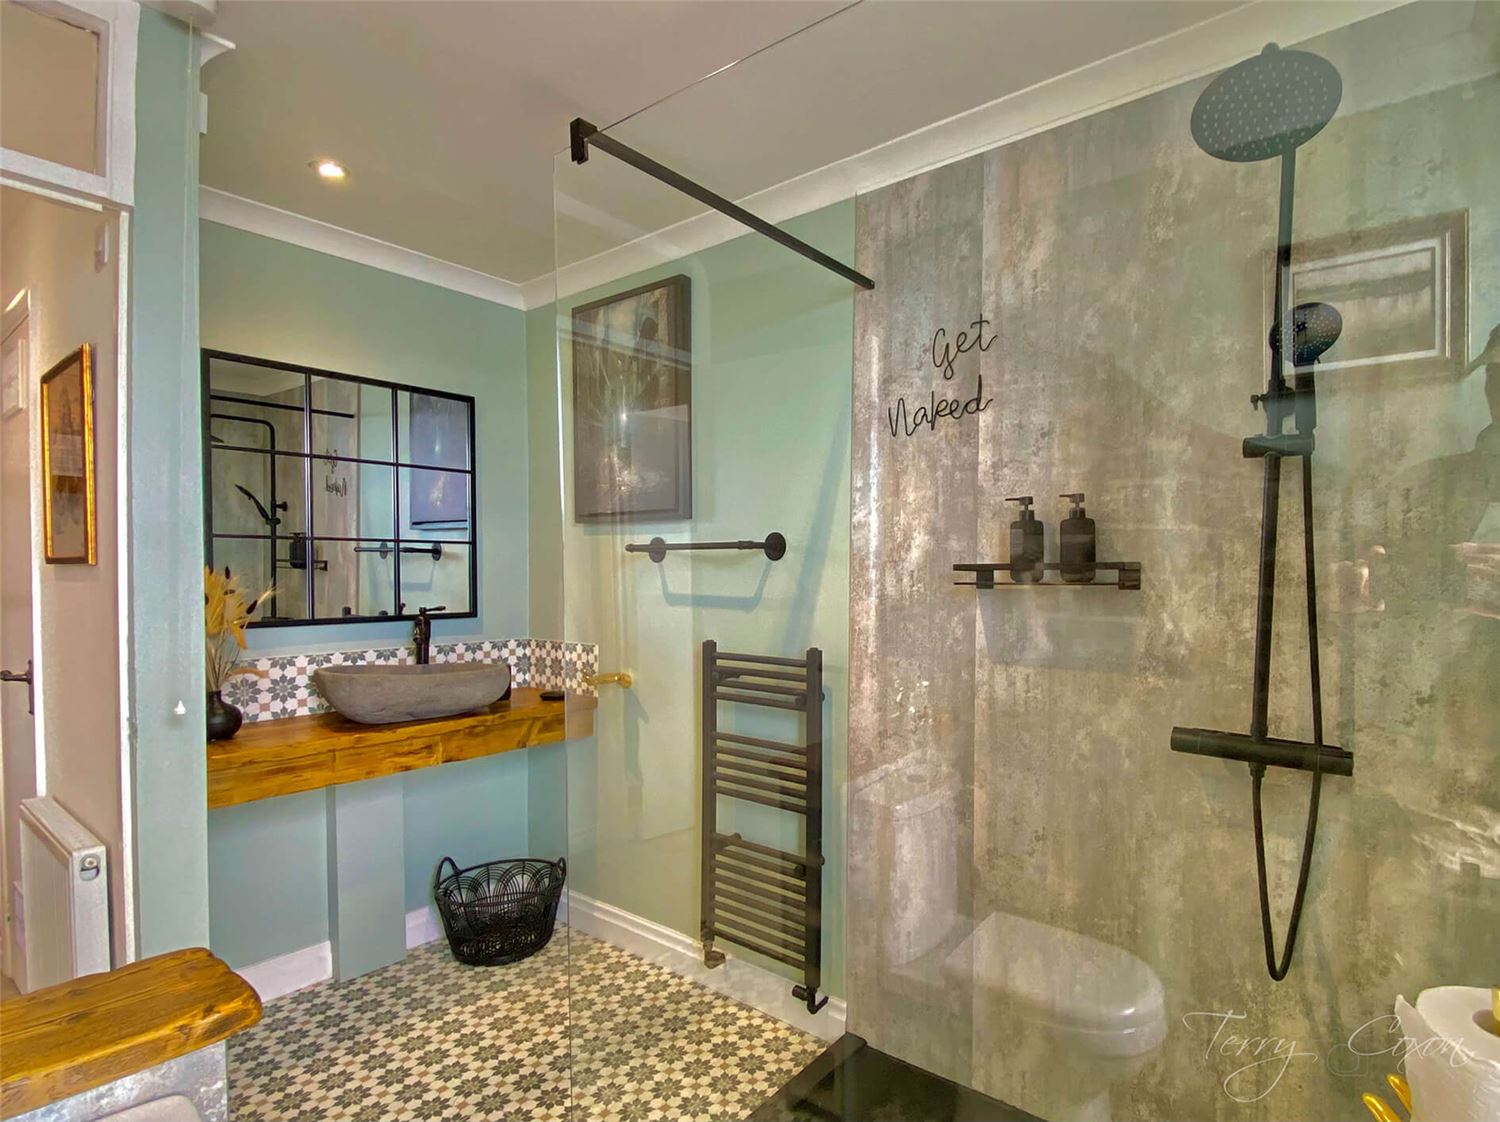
column 1127, row 576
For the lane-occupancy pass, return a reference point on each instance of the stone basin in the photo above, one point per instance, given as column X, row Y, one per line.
column 385, row 695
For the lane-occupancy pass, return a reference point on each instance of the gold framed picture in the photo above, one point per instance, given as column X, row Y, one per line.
column 68, row 460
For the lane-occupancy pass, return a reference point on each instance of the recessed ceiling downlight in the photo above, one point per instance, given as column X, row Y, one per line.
column 331, row 170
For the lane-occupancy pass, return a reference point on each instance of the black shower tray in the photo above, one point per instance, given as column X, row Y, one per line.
column 1127, row 576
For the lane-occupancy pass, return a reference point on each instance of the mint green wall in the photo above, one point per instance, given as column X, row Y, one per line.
column 164, row 518
column 269, row 886
column 269, row 863
column 262, row 297
column 772, row 360
column 545, row 509
column 472, row 811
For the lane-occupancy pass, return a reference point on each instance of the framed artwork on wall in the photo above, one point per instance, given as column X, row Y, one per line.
column 1402, row 290
column 68, row 460
column 632, row 405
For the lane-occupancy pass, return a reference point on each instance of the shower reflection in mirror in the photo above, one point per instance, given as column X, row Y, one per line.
column 353, row 497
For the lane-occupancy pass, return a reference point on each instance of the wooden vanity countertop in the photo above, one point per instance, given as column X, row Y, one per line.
column 70, row 1038
column 283, row 757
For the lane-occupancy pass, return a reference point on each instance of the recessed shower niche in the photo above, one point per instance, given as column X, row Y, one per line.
column 352, row 498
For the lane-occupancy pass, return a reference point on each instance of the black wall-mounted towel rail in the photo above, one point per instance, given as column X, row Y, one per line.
column 774, row 547
column 766, row 899
column 435, row 550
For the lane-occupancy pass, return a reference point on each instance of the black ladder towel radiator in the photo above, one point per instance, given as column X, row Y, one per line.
column 764, row 899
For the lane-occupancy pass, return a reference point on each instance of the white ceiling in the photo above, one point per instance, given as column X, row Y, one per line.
column 448, row 115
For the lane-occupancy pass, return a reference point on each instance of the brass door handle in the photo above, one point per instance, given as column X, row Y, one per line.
column 620, row 678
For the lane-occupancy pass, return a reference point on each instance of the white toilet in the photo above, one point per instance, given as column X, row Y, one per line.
column 1063, row 1018
column 1072, row 1016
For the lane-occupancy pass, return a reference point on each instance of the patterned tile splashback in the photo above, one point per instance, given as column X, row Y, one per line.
column 282, row 685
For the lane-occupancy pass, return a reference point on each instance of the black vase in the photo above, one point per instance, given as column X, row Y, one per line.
column 224, row 719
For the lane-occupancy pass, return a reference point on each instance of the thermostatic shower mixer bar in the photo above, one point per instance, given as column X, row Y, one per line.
column 583, row 135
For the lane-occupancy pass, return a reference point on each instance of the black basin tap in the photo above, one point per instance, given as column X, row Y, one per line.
column 421, row 633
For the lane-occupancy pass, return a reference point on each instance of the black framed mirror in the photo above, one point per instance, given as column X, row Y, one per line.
column 353, row 498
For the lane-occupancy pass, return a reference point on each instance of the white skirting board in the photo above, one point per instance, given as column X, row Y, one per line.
column 290, row 972
column 310, row 966
column 744, row 981
column 753, row 985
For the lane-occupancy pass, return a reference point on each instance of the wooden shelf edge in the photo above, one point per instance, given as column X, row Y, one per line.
column 73, row 1037
column 298, row 754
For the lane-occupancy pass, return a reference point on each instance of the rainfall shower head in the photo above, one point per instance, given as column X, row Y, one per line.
column 1315, row 328
column 1267, row 106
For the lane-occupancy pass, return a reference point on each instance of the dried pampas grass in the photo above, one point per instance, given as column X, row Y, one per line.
column 226, row 611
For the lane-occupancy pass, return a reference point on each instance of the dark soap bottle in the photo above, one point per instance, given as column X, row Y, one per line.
column 1076, row 543
column 1025, row 544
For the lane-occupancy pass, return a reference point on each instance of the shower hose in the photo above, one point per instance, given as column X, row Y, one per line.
column 1278, row 967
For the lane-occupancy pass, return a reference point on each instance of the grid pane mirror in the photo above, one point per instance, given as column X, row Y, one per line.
column 352, row 498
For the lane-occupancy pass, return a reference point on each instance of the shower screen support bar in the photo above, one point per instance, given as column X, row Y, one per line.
column 582, row 135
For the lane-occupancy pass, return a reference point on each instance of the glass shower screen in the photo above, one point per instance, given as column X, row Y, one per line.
column 704, row 390
column 1023, row 888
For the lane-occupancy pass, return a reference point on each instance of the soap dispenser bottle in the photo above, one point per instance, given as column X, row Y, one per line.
column 1025, row 544
column 1075, row 543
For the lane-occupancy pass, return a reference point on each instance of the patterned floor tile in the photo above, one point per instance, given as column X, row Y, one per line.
column 430, row 1039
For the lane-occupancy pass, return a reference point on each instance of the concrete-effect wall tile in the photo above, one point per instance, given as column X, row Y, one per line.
column 1021, row 837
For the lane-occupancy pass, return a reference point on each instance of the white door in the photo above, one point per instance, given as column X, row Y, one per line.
column 17, row 728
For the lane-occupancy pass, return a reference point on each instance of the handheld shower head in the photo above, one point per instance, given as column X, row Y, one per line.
column 260, row 508
column 1266, row 106
column 1315, row 328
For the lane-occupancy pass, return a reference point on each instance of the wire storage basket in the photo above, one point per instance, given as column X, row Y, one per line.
column 499, row 911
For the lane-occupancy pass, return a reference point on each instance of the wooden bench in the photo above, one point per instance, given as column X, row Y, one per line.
column 73, row 1037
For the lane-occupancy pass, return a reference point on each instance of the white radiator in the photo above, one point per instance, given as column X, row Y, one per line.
column 65, row 886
